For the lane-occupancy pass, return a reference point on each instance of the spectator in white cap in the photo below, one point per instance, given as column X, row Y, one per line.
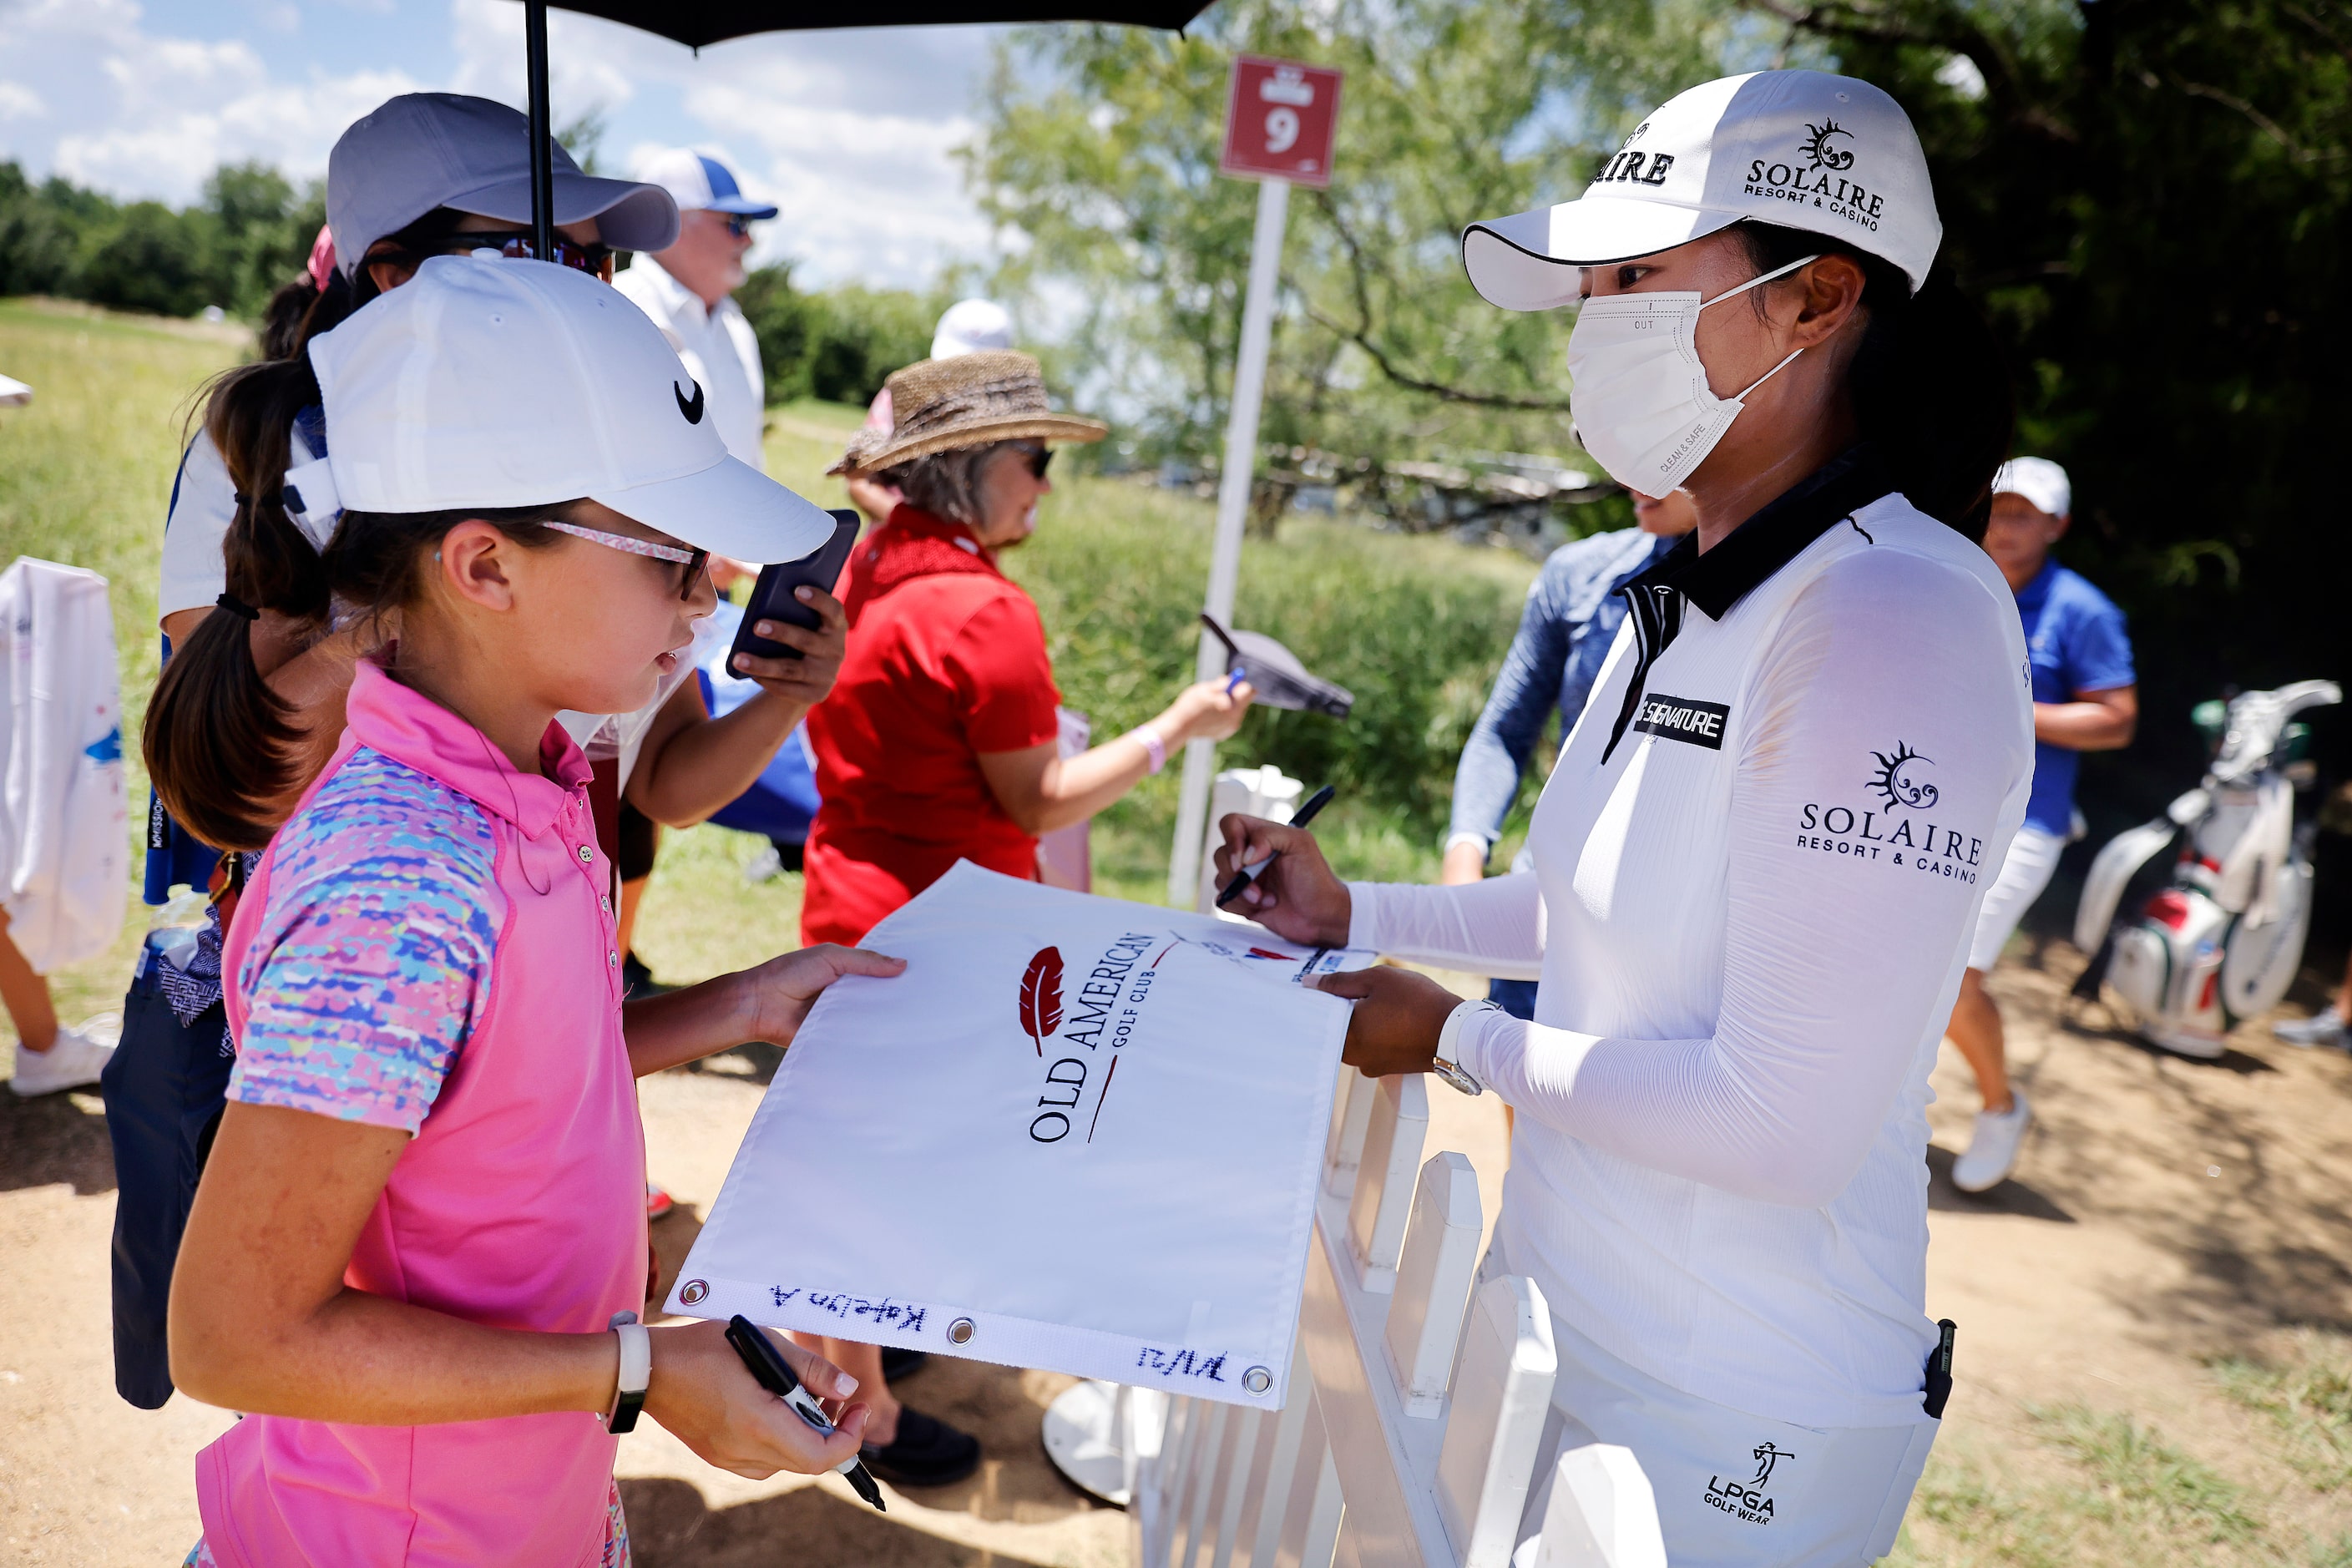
column 967, row 326
column 2086, row 698
column 687, row 288
column 417, row 1255
column 1760, row 855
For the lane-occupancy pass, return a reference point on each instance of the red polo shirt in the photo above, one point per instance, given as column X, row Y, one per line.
column 947, row 660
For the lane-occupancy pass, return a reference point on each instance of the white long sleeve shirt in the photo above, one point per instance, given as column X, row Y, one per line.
column 718, row 347
column 1756, row 865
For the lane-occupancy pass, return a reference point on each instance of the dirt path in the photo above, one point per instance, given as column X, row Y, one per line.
column 2166, row 1213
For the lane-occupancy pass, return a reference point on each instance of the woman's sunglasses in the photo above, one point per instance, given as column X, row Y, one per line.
column 1038, row 454
column 514, row 245
column 694, row 560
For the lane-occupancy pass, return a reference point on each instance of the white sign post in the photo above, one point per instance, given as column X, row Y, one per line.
column 1279, row 120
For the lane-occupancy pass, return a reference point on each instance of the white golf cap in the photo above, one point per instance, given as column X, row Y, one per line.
column 699, row 182
column 968, row 326
column 499, row 384
column 1800, row 149
column 2039, row 480
column 427, row 150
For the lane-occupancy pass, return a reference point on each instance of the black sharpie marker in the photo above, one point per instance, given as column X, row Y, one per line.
column 776, row 1376
column 1248, row 874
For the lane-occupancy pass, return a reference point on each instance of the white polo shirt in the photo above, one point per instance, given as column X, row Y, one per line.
column 1756, row 867
column 718, row 347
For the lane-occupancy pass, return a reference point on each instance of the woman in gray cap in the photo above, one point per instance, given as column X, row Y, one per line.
column 1758, row 858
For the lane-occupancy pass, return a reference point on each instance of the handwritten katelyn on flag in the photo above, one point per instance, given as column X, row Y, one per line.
column 1077, row 1134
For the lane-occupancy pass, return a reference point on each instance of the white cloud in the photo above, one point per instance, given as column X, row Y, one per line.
column 848, row 132
column 151, row 116
column 863, row 195
column 20, row 102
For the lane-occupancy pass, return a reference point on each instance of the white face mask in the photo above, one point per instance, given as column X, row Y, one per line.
column 1638, row 392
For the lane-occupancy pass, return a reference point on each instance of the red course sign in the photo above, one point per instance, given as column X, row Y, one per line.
column 1279, row 120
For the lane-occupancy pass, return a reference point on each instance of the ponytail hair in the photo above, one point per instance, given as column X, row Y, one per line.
column 220, row 746
column 1930, row 388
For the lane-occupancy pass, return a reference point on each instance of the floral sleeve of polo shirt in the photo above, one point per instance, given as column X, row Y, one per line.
column 372, row 957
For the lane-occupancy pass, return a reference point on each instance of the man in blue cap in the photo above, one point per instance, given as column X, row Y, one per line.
column 687, row 291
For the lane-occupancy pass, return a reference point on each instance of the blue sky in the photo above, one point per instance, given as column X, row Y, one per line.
column 850, row 132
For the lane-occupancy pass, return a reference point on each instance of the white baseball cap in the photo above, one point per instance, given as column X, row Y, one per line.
column 699, row 183
column 1800, row 149
column 968, row 326
column 427, row 150
column 2039, row 480
column 499, row 384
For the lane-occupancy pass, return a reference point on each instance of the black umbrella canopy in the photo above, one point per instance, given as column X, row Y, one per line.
column 700, row 22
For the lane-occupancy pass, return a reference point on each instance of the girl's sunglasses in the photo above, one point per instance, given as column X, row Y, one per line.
column 694, row 560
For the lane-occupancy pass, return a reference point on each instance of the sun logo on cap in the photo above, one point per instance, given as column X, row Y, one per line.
column 1816, row 146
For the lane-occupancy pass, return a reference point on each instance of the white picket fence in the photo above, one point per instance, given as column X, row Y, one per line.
column 1415, row 1408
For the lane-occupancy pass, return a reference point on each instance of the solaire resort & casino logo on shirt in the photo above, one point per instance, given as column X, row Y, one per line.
column 1816, row 172
column 1894, row 832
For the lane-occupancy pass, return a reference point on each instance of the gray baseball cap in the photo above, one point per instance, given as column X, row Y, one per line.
column 427, row 150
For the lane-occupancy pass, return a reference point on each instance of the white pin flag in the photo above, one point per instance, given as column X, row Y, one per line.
column 1077, row 1134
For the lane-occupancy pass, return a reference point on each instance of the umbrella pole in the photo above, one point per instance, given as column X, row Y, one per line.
column 543, row 161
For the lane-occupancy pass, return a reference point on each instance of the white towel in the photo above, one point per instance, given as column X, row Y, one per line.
column 65, row 838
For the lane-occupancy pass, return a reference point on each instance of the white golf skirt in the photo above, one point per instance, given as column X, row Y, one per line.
column 1734, row 1490
column 2032, row 857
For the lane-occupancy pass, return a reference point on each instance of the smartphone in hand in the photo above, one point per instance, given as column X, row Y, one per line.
column 772, row 596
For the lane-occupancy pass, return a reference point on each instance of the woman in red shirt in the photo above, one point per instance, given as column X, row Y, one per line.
column 940, row 744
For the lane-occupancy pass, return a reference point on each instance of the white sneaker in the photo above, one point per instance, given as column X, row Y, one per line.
column 2324, row 1028
column 1992, row 1149
column 73, row 1062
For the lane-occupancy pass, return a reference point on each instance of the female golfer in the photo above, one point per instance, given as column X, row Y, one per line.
column 1760, row 856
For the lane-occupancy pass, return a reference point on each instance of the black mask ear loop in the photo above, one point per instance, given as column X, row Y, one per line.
column 514, row 806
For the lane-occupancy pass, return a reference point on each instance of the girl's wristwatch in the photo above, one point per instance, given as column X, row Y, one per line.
column 1447, row 1064
column 636, row 1372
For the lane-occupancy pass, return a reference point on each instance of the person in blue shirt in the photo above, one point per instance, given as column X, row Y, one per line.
column 2085, row 699
column 1573, row 613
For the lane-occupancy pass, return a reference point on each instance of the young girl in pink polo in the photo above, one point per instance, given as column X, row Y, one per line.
column 417, row 1250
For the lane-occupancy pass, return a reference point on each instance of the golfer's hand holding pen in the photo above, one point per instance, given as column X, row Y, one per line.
column 1398, row 1013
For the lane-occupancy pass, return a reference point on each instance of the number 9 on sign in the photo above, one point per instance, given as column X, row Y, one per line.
column 1281, row 130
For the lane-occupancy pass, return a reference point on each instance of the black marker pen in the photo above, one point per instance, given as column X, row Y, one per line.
column 1248, row 874
column 775, row 1373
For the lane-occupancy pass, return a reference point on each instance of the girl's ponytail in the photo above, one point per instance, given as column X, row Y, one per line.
column 1930, row 388
column 221, row 747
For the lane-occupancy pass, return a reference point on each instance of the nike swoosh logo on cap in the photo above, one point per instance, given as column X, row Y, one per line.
column 693, row 409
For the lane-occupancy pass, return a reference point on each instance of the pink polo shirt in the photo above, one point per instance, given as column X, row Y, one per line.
column 428, row 944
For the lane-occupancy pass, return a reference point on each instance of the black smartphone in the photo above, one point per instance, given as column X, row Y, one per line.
column 772, row 595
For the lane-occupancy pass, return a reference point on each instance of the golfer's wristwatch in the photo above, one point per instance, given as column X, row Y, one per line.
column 1449, row 1047
column 636, row 1372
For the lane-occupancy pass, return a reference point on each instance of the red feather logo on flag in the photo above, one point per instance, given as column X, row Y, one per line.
column 1041, row 995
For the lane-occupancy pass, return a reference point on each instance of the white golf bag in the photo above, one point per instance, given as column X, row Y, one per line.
column 2221, row 942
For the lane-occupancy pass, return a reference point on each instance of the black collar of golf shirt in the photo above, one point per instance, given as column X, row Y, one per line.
column 1746, row 557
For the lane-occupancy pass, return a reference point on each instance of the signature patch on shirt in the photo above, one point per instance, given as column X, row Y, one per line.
column 1684, row 718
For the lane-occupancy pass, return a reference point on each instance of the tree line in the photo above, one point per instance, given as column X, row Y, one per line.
column 251, row 231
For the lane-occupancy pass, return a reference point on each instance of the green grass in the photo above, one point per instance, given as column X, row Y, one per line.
column 2101, row 1488
column 2308, row 1398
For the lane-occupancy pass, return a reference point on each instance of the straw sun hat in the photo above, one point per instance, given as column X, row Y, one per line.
column 938, row 404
